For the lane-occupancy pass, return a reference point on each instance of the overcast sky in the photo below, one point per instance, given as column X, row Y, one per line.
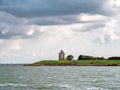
column 33, row 30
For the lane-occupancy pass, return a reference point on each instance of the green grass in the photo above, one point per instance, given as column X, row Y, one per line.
column 78, row 63
column 56, row 61
column 62, row 61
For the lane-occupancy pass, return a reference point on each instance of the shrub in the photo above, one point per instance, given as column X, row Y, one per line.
column 85, row 57
column 70, row 57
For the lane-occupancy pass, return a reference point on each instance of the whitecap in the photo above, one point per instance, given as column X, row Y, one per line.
column 95, row 88
column 13, row 85
column 67, row 86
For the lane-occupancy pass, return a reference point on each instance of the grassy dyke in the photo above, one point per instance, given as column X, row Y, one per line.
column 107, row 61
column 77, row 63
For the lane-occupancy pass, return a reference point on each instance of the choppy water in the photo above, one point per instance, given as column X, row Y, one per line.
column 18, row 77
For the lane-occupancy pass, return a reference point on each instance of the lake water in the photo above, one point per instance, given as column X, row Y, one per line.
column 18, row 77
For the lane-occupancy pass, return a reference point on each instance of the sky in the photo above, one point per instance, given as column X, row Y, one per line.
column 33, row 30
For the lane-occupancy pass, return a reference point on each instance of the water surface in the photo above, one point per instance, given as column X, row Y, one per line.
column 19, row 77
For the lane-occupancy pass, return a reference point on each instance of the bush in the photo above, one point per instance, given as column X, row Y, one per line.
column 85, row 57
column 114, row 58
column 70, row 57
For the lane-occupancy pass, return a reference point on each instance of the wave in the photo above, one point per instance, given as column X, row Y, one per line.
column 95, row 88
column 13, row 85
column 55, row 87
column 66, row 86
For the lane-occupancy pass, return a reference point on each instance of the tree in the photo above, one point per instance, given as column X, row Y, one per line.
column 81, row 57
column 114, row 58
column 86, row 57
column 101, row 58
column 70, row 57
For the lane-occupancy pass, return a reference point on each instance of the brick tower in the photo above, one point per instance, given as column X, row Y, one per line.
column 61, row 55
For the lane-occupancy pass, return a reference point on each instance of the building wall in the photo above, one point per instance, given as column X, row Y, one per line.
column 61, row 55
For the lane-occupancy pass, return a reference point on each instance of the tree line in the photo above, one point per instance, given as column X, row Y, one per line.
column 87, row 57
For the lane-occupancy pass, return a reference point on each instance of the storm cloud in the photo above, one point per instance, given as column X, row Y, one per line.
column 38, row 8
column 32, row 28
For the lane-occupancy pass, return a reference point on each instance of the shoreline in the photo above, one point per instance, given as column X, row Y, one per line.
column 75, row 63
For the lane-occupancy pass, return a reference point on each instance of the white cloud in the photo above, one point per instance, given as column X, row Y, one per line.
column 33, row 54
column 1, row 40
column 110, row 32
column 16, row 44
column 108, row 38
column 31, row 31
column 112, row 6
column 114, row 3
column 92, row 18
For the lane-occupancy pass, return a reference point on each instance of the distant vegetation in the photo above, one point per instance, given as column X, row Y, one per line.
column 76, row 63
column 114, row 58
column 70, row 57
column 86, row 57
column 83, row 60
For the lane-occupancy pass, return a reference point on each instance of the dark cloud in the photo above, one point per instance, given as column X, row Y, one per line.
column 45, row 13
column 37, row 8
column 14, row 35
column 13, row 31
column 58, row 20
